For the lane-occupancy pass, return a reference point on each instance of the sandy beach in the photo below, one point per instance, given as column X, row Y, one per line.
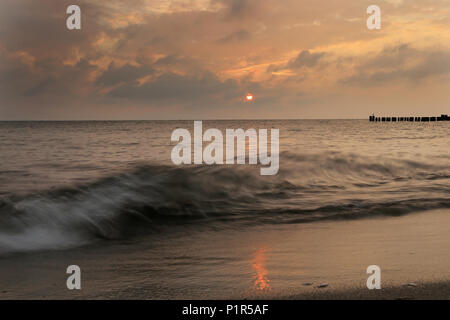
column 255, row 264
column 418, row 291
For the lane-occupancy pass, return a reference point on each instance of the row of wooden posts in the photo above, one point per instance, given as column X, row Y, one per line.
column 374, row 118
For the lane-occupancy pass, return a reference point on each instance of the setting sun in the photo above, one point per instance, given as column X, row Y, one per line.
column 249, row 97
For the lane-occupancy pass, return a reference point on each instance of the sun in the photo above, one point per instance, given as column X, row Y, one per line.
column 249, row 97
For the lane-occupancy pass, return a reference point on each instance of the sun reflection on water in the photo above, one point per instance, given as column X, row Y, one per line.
column 262, row 283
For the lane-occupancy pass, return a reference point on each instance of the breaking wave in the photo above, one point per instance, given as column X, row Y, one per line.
column 308, row 188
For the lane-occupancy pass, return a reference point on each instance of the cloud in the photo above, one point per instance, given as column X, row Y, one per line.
column 305, row 59
column 400, row 63
column 241, row 35
column 194, row 53
column 170, row 87
column 127, row 73
column 240, row 9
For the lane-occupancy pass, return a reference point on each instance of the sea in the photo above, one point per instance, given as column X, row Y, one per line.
column 106, row 195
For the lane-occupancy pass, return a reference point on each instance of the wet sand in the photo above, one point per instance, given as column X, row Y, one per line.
column 263, row 262
column 418, row 291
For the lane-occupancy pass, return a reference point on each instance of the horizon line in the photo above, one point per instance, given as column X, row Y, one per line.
column 231, row 119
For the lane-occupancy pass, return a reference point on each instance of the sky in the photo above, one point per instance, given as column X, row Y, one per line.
column 198, row 59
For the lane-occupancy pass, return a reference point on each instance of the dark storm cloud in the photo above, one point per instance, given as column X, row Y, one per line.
column 305, row 59
column 127, row 73
column 402, row 62
column 205, row 87
column 238, row 9
column 177, row 61
column 43, row 78
column 391, row 57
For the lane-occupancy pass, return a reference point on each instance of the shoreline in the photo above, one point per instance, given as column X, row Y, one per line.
column 260, row 263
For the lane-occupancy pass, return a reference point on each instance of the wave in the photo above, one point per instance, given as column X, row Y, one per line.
column 308, row 188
